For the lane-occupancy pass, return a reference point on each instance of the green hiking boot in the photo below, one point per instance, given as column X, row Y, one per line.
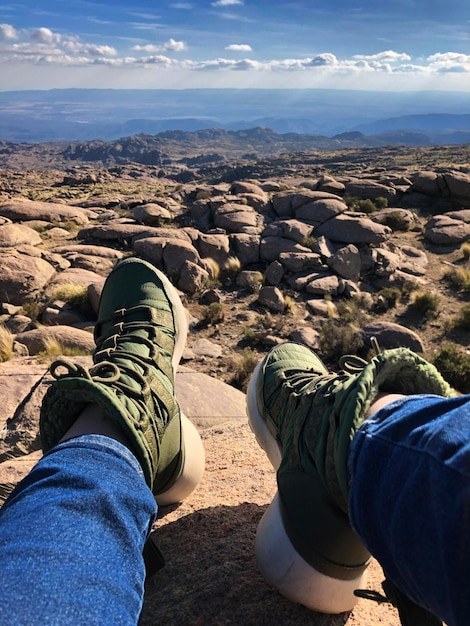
column 140, row 336
column 305, row 418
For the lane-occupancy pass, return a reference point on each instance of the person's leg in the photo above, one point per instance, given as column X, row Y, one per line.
column 410, row 499
column 304, row 418
column 73, row 531
column 72, row 535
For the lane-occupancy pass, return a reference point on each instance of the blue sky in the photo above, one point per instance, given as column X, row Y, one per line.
column 395, row 45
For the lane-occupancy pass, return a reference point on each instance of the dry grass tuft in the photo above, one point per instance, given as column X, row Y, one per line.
column 54, row 349
column 6, row 344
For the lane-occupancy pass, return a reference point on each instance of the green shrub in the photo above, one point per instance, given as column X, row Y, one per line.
column 213, row 314
column 463, row 320
column 381, row 202
column 391, row 295
column 249, row 334
column 427, row 303
column 31, row 309
column 337, row 339
column 408, row 289
column 365, row 206
column 454, row 365
column 396, row 221
column 350, row 312
column 309, row 242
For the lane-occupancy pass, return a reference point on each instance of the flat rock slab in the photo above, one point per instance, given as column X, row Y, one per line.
column 206, row 401
column 203, row 399
column 17, row 379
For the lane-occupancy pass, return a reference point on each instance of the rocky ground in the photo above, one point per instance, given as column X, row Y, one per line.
column 61, row 225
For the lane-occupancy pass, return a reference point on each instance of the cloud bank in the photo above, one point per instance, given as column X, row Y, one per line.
column 41, row 47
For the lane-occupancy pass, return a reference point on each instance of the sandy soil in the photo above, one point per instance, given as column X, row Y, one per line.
column 211, row 577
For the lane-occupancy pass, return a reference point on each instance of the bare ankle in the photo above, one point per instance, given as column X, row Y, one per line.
column 381, row 400
column 93, row 421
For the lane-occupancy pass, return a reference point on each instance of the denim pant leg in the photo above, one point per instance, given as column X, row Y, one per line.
column 410, row 499
column 72, row 535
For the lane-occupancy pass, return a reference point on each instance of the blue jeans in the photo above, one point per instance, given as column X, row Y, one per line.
column 410, row 499
column 72, row 535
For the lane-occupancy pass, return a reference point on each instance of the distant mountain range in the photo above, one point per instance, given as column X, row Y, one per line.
column 356, row 118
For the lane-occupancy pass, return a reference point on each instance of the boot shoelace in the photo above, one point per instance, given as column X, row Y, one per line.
column 410, row 613
column 107, row 372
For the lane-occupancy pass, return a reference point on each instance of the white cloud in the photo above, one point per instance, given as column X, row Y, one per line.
column 170, row 46
column 323, row 60
column 226, row 3
column 239, row 47
column 388, row 56
column 45, row 35
column 7, row 32
column 174, row 46
column 449, row 62
column 77, row 47
column 41, row 48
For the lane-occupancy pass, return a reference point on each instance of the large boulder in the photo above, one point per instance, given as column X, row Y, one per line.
column 320, row 211
column 22, row 277
column 271, row 247
column 37, row 340
column 458, row 185
column 445, row 230
column 246, row 247
column 391, row 335
column 235, row 218
column 14, row 235
column 349, row 228
column 25, row 210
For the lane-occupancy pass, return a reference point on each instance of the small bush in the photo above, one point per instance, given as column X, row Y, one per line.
column 454, row 365
column 408, row 289
column 459, row 278
column 213, row 267
column 266, row 321
column 350, row 312
column 249, row 334
column 396, row 221
column 309, row 242
column 465, row 249
column 243, row 366
column 463, row 320
column 31, row 309
column 6, row 344
column 391, row 295
column 427, row 303
column 337, row 339
column 381, row 202
column 230, row 269
column 213, row 314
column 289, row 304
column 364, row 206
column 255, row 282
